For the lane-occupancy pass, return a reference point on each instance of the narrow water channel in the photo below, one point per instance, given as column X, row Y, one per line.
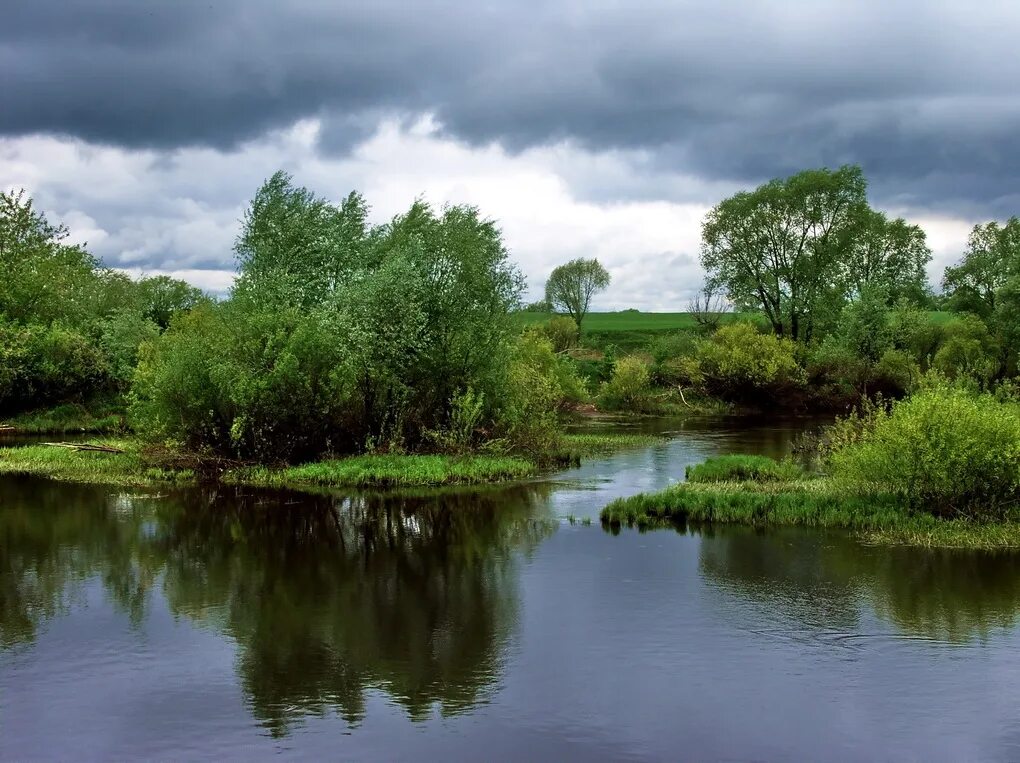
column 483, row 624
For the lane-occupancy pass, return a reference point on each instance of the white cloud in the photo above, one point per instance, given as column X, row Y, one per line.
column 178, row 212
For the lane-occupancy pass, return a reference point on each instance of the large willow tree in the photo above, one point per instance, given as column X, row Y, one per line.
column 799, row 248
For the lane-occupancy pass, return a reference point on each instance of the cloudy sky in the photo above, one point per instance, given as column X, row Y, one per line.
column 587, row 128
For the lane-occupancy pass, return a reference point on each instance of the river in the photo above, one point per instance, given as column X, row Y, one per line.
column 485, row 624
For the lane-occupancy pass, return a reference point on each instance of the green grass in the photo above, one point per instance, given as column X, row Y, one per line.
column 628, row 331
column 130, row 468
column 388, row 471
column 138, row 467
column 623, row 321
column 70, row 418
column 601, row 443
column 812, row 502
column 738, row 468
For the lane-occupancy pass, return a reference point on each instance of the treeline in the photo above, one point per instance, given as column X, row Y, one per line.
column 341, row 336
column 70, row 328
column 831, row 304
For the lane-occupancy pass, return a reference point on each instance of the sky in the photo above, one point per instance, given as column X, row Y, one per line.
column 587, row 128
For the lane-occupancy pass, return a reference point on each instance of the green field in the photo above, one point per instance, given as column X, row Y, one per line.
column 628, row 330
column 627, row 320
column 631, row 330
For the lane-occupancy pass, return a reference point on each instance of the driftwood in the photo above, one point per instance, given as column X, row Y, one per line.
column 84, row 446
column 681, row 391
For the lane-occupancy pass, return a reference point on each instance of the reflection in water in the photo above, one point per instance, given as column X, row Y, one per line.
column 160, row 627
column 53, row 538
column 325, row 596
column 823, row 579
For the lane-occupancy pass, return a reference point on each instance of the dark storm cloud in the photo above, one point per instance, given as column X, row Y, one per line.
column 923, row 94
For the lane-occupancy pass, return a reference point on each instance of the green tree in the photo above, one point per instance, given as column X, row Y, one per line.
column 43, row 278
column 885, row 254
column 162, row 297
column 296, row 248
column 992, row 258
column 571, row 287
column 781, row 248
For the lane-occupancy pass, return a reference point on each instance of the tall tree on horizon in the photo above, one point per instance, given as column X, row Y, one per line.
column 571, row 287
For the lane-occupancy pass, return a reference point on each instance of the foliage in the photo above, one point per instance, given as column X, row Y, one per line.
column 122, row 335
column 740, row 364
column 562, row 333
column 341, row 338
column 943, row 450
column 44, row 365
column 629, row 386
column 798, row 248
column 571, row 287
column 967, row 350
column 42, row 278
column 537, row 383
column 673, row 361
column 160, row 298
column 991, row 259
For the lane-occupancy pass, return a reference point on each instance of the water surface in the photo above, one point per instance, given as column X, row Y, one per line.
column 483, row 625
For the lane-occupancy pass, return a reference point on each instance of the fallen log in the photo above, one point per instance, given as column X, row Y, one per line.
column 84, row 446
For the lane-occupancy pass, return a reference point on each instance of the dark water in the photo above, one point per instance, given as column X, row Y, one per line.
column 483, row 625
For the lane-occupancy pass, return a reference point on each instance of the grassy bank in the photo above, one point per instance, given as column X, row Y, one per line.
column 69, row 419
column 137, row 466
column 388, row 471
column 580, row 445
column 760, row 492
column 132, row 468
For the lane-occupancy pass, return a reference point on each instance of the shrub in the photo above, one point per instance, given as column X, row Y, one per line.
column 742, row 365
column 864, row 326
column 42, row 365
column 673, row 361
column 561, row 332
column 122, row 334
column 628, row 388
column 896, row 373
column 531, row 393
column 943, row 450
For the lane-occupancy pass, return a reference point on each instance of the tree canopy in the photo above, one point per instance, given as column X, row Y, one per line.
column 799, row 248
column 570, row 287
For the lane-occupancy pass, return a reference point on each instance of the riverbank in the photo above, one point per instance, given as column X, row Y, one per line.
column 72, row 418
column 760, row 492
column 138, row 466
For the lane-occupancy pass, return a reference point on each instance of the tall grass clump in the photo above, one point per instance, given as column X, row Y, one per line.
column 945, row 450
column 740, row 468
column 388, row 471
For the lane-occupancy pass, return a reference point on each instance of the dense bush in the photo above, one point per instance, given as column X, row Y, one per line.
column 673, row 360
column 968, row 351
column 943, row 450
column 742, row 365
column 562, row 333
column 535, row 386
column 42, row 365
column 628, row 387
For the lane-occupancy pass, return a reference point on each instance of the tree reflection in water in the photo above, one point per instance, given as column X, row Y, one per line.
column 326, row 596
column 825, row 578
